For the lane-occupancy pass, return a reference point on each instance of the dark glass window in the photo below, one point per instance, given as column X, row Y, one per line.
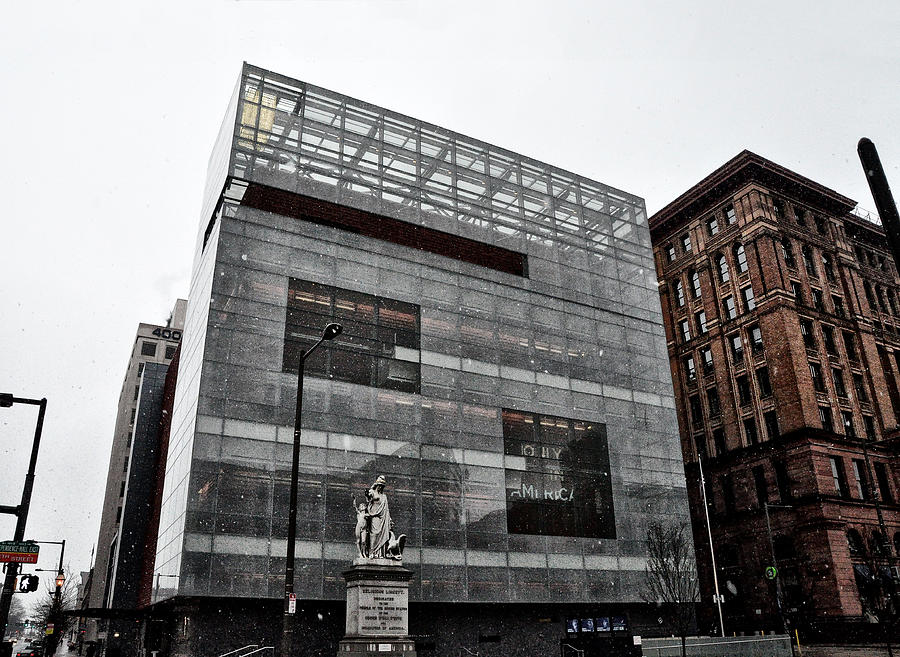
column 719, row 441
column 849, row 428
column 679, row 293
column 870, row 296
column 855, row 542
column 695, row 285
column 737, row 347
column 170, row 351
column 696, row 411
column 807, row 253
column 825, row 418
column 788, row 252
column 837, row 377
column 369, row 351
column 762, row 380
column 671, row 254
column 869, row 424
column 756, row 341
column 884, row 484
column 728, row 307
column 799, row 215
column 828, row 339
column 828, row 267
column 148, row 348
column 892, row 301
column 850, row 346
column 771, row 420
column 818, row 300
column 778, row 207
column 563, row 486
column 815, row 371
column 740, row 258
column 686, row 243
column 744, row 393
column 859, row 385
column 722, row 267
column 750, row 431
column 820, row 224
column 690, row 369
column 862, row 481
column 839, row 477
column 749, row 300
column 730, row 215
column 797, row 289
column 712, row 225
column 838, row 303
column 806, row 330
column 701, row 322
column 783, row 481
column 712, row 398
column 759, row 481
column 707, row 359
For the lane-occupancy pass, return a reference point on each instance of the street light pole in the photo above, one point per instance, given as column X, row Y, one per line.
column 287, row 627
column 712, row 553
column 21, row 511
column 778, row 594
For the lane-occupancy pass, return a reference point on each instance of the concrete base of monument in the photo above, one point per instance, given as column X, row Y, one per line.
column 377, row 610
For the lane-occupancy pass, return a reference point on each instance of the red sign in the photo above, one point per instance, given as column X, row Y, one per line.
column 18, row 552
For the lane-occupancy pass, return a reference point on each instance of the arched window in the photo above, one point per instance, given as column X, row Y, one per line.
column 740, row 257
column 695, row 284
column 855, row 542
column 722, row 265
column 876, row 542
column 679, row 293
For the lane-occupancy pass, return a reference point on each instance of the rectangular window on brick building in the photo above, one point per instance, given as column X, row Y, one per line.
column 696, row 411
column 671, row 253
column 869, row 425
column 729, row 308
column 825, row 418
column 837, row 377
column 797, row 289
column 750, row 431
column 847, row 421
column 828, row 339
column 712, row 225
column 730, row 214
column 737, row 348
column 376, row 348
column 884, row 484
column 815, row 371
column 808, row 333
column 850, row 346
column 756, row 341
column 859, row 384
column 759, row 482
column 686, row 243
column 839, row 477
column 749, row 300
column 838, row 303
column 701, row 322
column 744, row 394
column 818, row 300
column 700, row 442
column 706, row 358
column 685, row 328
column 719, row 442
column 783, row 481
column 787, row 252
column 859, row 472
column 727, row 485
column 712, row 399
column 771, row 420
column 690, row 370
column 762, row 379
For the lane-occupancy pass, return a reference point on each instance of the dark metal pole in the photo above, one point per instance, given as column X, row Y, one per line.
column 12, row 569
column 287, row 625
column 775, row 566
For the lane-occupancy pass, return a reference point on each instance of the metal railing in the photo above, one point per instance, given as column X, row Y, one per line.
column 866, row 215
column 239, row 652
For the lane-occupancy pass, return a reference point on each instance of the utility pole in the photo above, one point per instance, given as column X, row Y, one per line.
column 712, row 553
column 20, row 511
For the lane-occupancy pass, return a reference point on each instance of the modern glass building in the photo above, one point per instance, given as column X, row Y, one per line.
column 503, row 364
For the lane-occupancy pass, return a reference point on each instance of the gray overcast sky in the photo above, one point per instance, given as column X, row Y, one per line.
column 110, row 111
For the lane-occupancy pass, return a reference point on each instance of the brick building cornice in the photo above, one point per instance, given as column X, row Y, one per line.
column 747, row 167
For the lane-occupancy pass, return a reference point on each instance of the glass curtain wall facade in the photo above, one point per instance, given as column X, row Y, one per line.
column 503, row 363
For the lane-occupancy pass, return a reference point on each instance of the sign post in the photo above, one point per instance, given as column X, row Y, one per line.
column 292, row 603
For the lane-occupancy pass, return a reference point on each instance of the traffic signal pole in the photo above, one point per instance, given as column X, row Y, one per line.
column 21, row 511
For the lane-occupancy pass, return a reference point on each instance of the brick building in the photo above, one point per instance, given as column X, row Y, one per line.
column 782, row 317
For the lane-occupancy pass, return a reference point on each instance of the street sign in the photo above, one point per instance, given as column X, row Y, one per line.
column 18, row 552
column 292, row 603
column 49, row 628
column 771, row 572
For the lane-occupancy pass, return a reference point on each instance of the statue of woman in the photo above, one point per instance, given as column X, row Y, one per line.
column 379, row 520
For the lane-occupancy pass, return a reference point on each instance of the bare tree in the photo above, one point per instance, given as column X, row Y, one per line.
column 672, row 577
column 50, row 610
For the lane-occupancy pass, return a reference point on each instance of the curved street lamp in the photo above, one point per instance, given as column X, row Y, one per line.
column 331, row 331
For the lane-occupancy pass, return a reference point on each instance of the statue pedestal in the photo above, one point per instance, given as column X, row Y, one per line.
column 377, row 610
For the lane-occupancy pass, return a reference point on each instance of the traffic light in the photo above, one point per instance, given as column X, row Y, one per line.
column 23, row 584
column 28, row 583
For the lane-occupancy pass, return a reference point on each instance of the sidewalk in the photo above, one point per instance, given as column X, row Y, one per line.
column 847, row 651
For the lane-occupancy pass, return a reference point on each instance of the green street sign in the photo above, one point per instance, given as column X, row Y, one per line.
column 771, row 572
